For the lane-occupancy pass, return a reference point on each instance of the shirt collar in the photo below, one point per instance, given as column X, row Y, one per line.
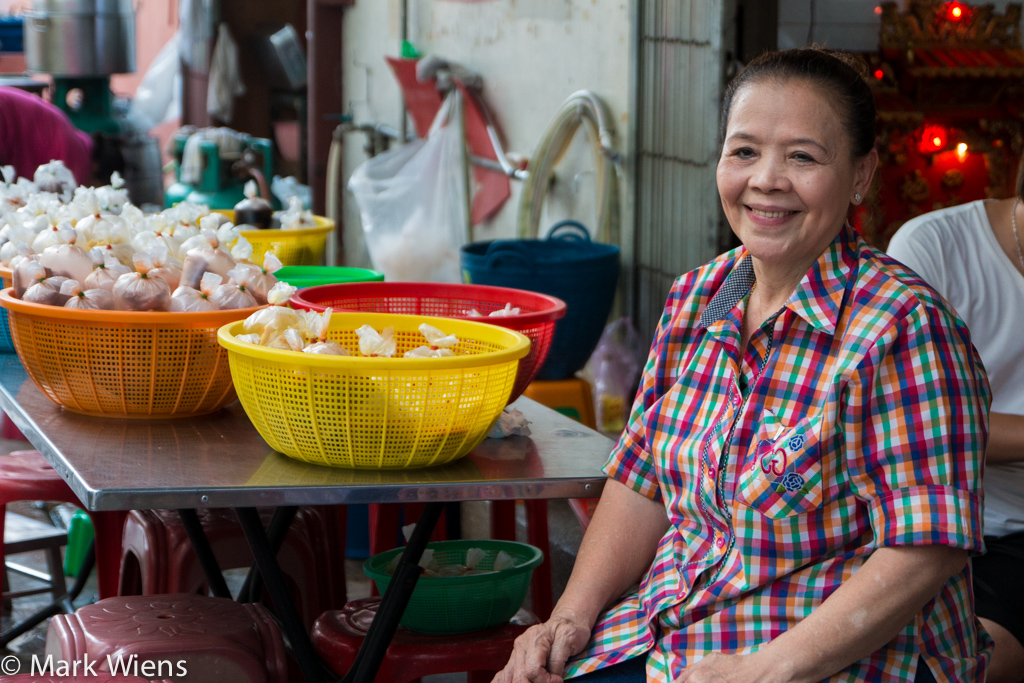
column 817, row 298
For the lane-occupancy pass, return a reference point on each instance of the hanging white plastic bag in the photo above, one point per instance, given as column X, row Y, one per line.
column 414, row 202
column 158, row 97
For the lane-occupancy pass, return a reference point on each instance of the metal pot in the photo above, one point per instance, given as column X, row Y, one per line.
column 80, row 37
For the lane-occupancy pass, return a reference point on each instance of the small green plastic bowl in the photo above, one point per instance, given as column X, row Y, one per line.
column 312, row 276
column 461, row 604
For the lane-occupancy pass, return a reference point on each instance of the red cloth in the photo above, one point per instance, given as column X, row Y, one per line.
column 34, row 132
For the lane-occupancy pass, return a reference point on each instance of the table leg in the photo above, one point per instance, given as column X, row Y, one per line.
column 394, row 601
column 276, row 531
column 284, row 606
column 204, row 553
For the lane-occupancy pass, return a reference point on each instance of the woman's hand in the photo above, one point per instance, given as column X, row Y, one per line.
column 719, row 668
column 540, row 654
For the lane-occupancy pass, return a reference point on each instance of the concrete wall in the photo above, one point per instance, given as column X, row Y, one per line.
column 532, row 54
column 839, row 24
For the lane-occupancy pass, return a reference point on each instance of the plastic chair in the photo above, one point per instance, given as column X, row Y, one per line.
column 215, row 639
column 157, row 556
column 26, row 475
column 572, row 397
column 337, row 636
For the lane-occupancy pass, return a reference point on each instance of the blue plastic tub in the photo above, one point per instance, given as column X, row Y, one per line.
column 12, row 34
column 567, row 265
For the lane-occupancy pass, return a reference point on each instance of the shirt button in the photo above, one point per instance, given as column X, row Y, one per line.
column 712, row 471
column 736, row 400
column 720, row 540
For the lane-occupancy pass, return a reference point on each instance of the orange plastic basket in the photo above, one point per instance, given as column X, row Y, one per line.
column 378, row 413
column 124, row 363
column 538, row 313
column 302, row 247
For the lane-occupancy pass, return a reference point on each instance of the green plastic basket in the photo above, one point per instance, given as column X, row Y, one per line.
column 461, row 604
column 312, row 276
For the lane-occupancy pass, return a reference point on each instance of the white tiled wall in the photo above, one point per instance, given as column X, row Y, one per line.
column 839, row 24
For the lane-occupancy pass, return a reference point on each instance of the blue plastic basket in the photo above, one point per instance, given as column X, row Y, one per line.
column 567, row 265
column 6, row 342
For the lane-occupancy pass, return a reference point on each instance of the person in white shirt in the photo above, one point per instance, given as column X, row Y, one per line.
column 974, row 256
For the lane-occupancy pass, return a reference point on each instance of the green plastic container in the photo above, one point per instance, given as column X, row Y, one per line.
column 312, row 276
column 80, row 535
column 461, row 604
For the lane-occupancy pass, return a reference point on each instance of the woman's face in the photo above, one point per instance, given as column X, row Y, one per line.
column 785, row 176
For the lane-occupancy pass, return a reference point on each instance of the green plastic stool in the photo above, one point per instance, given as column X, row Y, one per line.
column 80, row 535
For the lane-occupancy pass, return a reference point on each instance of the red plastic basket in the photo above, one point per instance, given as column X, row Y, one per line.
column 536, row 320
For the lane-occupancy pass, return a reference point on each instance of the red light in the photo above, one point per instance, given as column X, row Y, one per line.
column 933, row 139
column 879, row 74
column 878, row 9
column 955, row 11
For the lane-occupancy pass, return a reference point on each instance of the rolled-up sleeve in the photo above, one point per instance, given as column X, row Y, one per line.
column 916, row 428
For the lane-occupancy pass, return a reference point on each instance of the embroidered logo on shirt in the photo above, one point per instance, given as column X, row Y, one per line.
column 792, row 482
column 774, row 460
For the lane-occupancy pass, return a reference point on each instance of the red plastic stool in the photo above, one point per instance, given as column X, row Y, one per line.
column 25, row 475
column 337, row 636
column 216, row 640
column 157, row 556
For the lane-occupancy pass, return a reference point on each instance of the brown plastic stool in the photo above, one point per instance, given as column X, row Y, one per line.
column 157, row 556
column 216, row 640
column 337, row 636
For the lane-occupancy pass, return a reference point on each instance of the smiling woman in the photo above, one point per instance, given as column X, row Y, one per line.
column 798, row 488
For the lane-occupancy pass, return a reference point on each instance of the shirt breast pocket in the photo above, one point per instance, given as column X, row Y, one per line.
column 782, row 475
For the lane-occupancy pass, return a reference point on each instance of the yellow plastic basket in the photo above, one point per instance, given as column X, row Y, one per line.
column 378, row 413
column 304, row 247
column 124, row 363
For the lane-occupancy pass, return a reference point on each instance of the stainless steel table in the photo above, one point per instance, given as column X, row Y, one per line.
column 220, row 461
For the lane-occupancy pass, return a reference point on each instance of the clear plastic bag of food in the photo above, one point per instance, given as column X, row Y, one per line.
column 188, row 300
column 295, row 217
column 209, row 247
column 377, row 344
column 105, row 271
column 138, row 291
column 165, row 266
column 235, row 292
column 261, row 278
column 47, row 292
column 28, row 272
column 439, row 344
column 86, row 299
column 322, row 345
column 53, row 235
column 68, row 260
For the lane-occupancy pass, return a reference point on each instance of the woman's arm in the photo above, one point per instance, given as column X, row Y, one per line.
column 864, row 614
column 1005, row 438
column 616, row 551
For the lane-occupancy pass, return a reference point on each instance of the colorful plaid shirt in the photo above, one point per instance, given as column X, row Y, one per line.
column 855, row 419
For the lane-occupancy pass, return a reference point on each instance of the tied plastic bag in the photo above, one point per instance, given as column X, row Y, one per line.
column 438, row 344
column 86, row 299
column 377, row 344
column 140, row 292
column 188, row 300
column 616, row 364
column 414, row 202
column 106, row 272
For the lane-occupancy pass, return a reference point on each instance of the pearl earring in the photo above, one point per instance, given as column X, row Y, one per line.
column 856, row 198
